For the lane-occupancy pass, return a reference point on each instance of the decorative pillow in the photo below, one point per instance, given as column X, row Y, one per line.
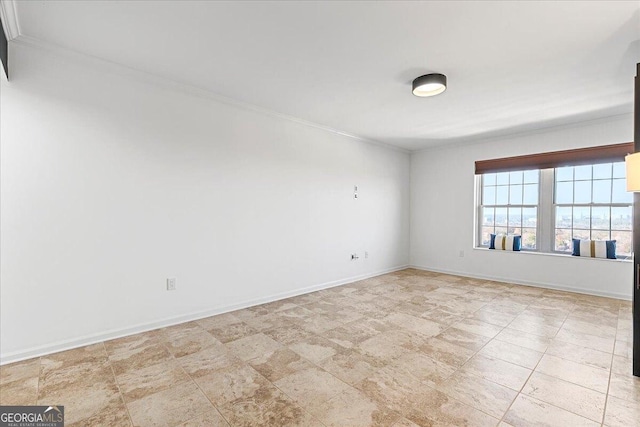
column 594, row 248
column 505, row 243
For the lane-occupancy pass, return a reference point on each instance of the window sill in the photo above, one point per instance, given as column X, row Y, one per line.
column 625, row 260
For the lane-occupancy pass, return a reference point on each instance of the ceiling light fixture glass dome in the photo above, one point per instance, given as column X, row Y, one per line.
column 429, row 85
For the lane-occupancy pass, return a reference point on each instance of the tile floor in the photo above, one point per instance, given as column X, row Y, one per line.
column 411, row 348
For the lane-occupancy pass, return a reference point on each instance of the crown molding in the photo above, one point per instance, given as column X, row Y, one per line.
column 9, row 17
column 166, row 83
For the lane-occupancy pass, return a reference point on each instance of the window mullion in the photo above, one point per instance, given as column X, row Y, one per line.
column 546, row 211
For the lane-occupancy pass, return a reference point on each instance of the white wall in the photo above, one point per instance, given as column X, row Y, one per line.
column 110, row 184
column 442, row 213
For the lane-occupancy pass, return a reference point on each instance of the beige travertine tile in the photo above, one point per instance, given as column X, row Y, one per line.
column 534, row 326
column 396, row 389
column 574, row 398
column 624, row 330
column 207, row 361
column 403, row 422
column 311, row 386
column 115, row 414
column 482, row 394
column 498, row 319
column 185, row 344
column 272, row 409
column 138, row 383
column 315, row 348
column 529, row 412
column 63, row 375
column 178, row 331
column 550, row 316
column 478, row 327
column 288, row 335
column 523, row 339
column 318, row 323
column 415, row 324
column 591, row 317
column 430, row 372
column 346, row 315
column 394, row 338
column 464, row 338
column 72, row 365
column 408, row 340
column 349, row 366
column 297, row 312
column 623, row 348
column 442, row 316
column 622, row 365
column 583, row 355
column 506, row 306
column 352, row 408
column 224, row 319
column 412, row 308
column 274, row 306
column 20, row 392
column 321, row 306
column 268, row 321
column 279, row 363
column 586, row 340
column 498, row 371
column 123, row 348
column 239, row 383
column 253, row 346
column 211, row 418
column 586, row 376
column 140, row 358
column 383, row 347
column 596, row 313
column 351, row 334
column 581, row 327
column 626, row 387
column 169, row 407
column 621, row 413
column 461, row 306
column 441, row 410
column 85, row 397
column 24, row 370
column 446, row 352
column 511, row 353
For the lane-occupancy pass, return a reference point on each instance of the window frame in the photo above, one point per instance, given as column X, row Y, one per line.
column 480, row 206
column 546, row 214
column 591, row 205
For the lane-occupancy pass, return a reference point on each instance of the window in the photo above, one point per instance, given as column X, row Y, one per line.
column 591, row 202
column 510, row 205
column 552, row 198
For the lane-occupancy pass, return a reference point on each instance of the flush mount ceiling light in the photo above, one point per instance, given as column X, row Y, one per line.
column 429, row 85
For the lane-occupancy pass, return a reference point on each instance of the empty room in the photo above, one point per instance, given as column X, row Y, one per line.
column 319, row 213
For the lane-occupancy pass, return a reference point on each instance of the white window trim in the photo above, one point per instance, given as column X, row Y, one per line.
column 546, row 220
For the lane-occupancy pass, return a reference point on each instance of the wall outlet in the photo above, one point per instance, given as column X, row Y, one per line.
column 171, row 284
column 461, row 254
column 366, row 254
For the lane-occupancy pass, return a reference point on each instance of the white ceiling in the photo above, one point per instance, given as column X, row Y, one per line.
column 512, row 66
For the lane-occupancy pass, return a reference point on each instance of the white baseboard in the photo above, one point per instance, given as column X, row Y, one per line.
column 162, row 323
column 527, row 283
